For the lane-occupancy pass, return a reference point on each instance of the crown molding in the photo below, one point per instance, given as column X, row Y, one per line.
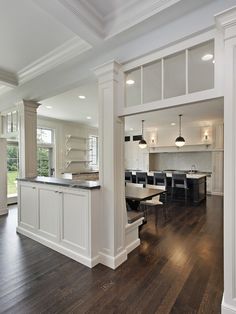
column 86, row 13
column 133, row 13
column 8, row 78
column 54, row 58
column 226, row 21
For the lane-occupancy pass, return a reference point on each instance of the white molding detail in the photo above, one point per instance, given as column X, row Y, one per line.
column 8, row 78
column 227, row 308
column 3, row 212
column 87, row 14
column 133, row 13
column 90, row 262
column 113, row 262
column 61, row 54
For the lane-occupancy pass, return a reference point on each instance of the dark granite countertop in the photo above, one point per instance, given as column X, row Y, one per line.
column 82, row 172
column 79, row 184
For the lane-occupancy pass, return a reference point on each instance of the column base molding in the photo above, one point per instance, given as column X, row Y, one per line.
column 113, row 261
column 227, row 308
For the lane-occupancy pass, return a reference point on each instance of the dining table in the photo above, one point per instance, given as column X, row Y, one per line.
column 134, row 195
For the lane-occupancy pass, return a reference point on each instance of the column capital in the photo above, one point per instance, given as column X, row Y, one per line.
column 226, row 22
column 30, row 105
column 108, row 71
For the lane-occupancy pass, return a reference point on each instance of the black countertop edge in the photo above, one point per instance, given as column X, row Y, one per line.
column 82, row 172
column 79, row 184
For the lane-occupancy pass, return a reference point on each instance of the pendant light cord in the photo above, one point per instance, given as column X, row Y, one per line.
column 180, row 115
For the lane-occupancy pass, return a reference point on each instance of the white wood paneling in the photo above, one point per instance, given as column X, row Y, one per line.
column 75, row 211
column 49, row 206
column 28, row 205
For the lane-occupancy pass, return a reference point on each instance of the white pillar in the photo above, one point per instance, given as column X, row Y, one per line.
column 3, row 176
column 28, row 138
column 111, row 164
column 226, row 22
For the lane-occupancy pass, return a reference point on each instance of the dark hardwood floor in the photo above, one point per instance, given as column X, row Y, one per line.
column 177, row 269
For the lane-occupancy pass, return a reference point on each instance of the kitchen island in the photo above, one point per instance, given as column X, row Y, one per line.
column 61, row 214
column 196, row 184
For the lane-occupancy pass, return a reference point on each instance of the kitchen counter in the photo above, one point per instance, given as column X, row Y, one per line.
column 64, row 182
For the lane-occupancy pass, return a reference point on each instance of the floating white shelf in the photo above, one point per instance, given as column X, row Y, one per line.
column 69, row 149
column 69, row 162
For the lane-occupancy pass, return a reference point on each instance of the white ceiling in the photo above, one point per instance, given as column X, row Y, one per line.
column 27, row 33
column 49, row 46
column 69, row 107
column 201, row 114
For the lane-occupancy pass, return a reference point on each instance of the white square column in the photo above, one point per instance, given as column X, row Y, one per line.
column 27, row 138
column 226, row 23
column 3, row 177
column 111, row 165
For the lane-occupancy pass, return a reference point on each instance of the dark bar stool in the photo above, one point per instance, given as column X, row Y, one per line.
column 179, row 181
column 141, row 177
column 159, row 178
column 128, row 176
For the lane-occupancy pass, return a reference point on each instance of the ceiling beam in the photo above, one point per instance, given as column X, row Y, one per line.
column 77, row 17
column 8, row 78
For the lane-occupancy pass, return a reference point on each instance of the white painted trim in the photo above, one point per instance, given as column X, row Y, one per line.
column 3, row 211
column 113, row 262
column 227, row 308
column 61, row 54
column 174, row 48
column 8, row 78
column 170, row 102
column 132, row 246
column 132, row 13
column 90, row 262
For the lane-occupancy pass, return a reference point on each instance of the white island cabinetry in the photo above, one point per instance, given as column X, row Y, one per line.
column 65, row 219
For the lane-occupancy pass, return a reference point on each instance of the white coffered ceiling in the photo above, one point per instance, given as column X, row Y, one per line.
column 49, row 46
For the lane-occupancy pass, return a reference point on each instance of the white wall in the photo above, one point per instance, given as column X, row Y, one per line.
column 63, row 128
column 181, row 161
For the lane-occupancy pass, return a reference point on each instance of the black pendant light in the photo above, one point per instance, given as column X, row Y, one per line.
column 180, row 141
column 142, row 143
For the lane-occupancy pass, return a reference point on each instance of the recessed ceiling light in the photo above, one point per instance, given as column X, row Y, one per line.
column 130, row 82
column 81, row 97
column 49, row 107
column 131, row 129
column 88, row 118
column 214, row 61
column 207, row 57
column 172, row 123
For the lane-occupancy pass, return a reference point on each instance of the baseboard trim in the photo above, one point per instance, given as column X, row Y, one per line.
column 111, row 261
column 227, row 308
column 90, row 262
column 132, row 246
column 3, row 211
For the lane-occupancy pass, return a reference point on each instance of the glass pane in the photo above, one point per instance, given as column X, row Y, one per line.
column 133, row 87
column 201, row 67
column 174, row 75
column 44, row 136
column 43, row 158
column 14, row 121
column 12, row 167
column 152, row 81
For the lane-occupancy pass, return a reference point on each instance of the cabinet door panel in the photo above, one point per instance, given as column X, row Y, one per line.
column 28, row 197
column 49, row 206
column 75, row 220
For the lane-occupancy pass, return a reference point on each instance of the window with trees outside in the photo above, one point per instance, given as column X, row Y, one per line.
column 12, row 168
column 45, row 140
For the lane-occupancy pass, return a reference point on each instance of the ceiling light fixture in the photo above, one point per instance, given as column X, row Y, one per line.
column 88, row 118
column 49, row 107
column 130, row 82
column 180, row 141
column 142, row 143
column 207, row 57
column 81, row 97
column 173, row 123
